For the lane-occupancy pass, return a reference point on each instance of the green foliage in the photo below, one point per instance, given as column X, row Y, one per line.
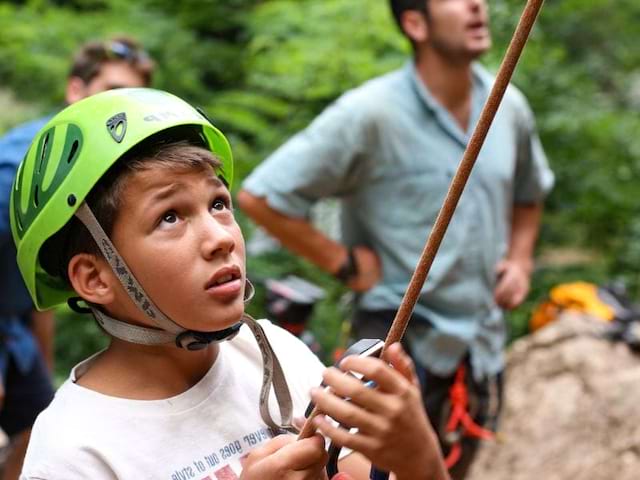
column 264, row 69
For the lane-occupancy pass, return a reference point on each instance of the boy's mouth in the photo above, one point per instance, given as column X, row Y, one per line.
column 224, row 276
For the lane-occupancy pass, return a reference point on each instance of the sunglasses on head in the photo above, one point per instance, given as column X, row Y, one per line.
column 120, row 50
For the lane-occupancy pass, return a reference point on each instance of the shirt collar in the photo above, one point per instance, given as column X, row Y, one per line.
column 480, row 89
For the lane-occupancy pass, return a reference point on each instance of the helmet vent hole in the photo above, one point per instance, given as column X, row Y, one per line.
column 36, row 191
column 43, row 153
column 74, row 150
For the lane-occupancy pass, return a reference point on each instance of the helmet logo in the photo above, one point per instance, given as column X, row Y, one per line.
column 117, row 126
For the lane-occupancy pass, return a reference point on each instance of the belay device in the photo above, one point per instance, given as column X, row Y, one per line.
column 366, row 347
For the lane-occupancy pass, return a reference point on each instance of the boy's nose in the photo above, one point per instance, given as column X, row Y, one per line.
column 216, row 238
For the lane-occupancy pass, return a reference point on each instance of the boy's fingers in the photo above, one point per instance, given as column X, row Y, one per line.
column 402, row 362
column 340, row 436
column 344, row 412
column 342, row 476
column 304, row 454
column 285, row 455
column 272, row 446
column 347, row 386
column 377, row 370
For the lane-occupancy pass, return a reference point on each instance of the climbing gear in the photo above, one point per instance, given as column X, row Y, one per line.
column 65, row 161
column 460, row 423
column 73, row 151
column 290, row 301
column 60, row 169
column 364, row 348
column 580, row 297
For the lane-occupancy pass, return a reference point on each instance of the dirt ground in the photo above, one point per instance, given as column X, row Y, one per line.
column 571, row 411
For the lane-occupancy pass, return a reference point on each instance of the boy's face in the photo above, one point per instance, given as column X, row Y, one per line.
column 177, row 233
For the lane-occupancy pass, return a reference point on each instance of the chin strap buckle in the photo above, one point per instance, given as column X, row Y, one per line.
column 460, row 423
column 193, row 340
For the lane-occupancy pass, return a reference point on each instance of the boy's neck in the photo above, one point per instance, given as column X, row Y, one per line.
column 140, row 372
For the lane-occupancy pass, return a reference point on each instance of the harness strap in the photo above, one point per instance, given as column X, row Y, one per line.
column 460, row 423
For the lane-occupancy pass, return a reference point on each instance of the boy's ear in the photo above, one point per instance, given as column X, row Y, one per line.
column 414, row 25
column 92, row 278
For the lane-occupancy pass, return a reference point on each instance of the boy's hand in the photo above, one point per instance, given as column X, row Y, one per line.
column 284, row 458
column 393, row 430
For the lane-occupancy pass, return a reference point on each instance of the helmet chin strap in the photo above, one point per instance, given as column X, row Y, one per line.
column 170, row 332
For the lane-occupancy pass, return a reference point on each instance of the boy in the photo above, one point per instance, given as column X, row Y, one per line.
column 24, row 368
column 161, row 266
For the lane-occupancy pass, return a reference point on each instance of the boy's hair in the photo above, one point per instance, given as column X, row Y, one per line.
column 105, row 199
column 398, row 7
column 92, row 55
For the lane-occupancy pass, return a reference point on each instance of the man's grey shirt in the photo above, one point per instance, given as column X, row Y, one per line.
column 388, row 150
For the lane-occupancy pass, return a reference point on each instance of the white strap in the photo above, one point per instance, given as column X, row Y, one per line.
column 132, row 333
column 119, row 267
column 273, row 376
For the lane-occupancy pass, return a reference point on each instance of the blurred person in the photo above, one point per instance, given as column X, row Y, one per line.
column 26, row 336
column 388, row 150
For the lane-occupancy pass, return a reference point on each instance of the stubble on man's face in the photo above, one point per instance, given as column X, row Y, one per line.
column 458, row 29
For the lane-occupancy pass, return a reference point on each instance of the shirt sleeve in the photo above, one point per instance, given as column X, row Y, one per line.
column 533, row 177
column 324, row 160
column 50, row 457
column 7, row 173
column 13, row 147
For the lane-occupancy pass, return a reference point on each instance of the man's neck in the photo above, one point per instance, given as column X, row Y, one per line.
column 450, row 83
column 141, row 372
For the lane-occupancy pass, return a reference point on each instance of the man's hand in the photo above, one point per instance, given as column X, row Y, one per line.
column 368, row 268
column 393, row 430
column 513, row 283
column 284, row 458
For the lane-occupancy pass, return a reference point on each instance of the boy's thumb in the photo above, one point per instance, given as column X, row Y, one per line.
column 342, row 476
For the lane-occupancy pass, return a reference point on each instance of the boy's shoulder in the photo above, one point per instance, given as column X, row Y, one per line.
column 87, row 430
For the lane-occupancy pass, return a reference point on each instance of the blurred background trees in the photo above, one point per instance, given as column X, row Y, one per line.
column 263, row 69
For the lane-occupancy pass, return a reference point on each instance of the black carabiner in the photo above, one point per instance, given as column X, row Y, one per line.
column 367, row 347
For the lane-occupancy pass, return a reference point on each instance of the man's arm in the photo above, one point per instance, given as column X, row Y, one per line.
column 515, row 270
column 302, row 238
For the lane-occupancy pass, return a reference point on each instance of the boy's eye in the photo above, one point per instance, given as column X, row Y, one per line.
column 170, row 217
column 219, row 204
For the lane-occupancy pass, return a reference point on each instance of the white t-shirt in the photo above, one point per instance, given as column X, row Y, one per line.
column 200, row 434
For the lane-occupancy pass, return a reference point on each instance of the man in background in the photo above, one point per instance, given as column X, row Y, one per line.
column 26, row 336
column 388, row 150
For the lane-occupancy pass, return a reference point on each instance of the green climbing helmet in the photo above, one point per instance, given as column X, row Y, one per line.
column 73, row 151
